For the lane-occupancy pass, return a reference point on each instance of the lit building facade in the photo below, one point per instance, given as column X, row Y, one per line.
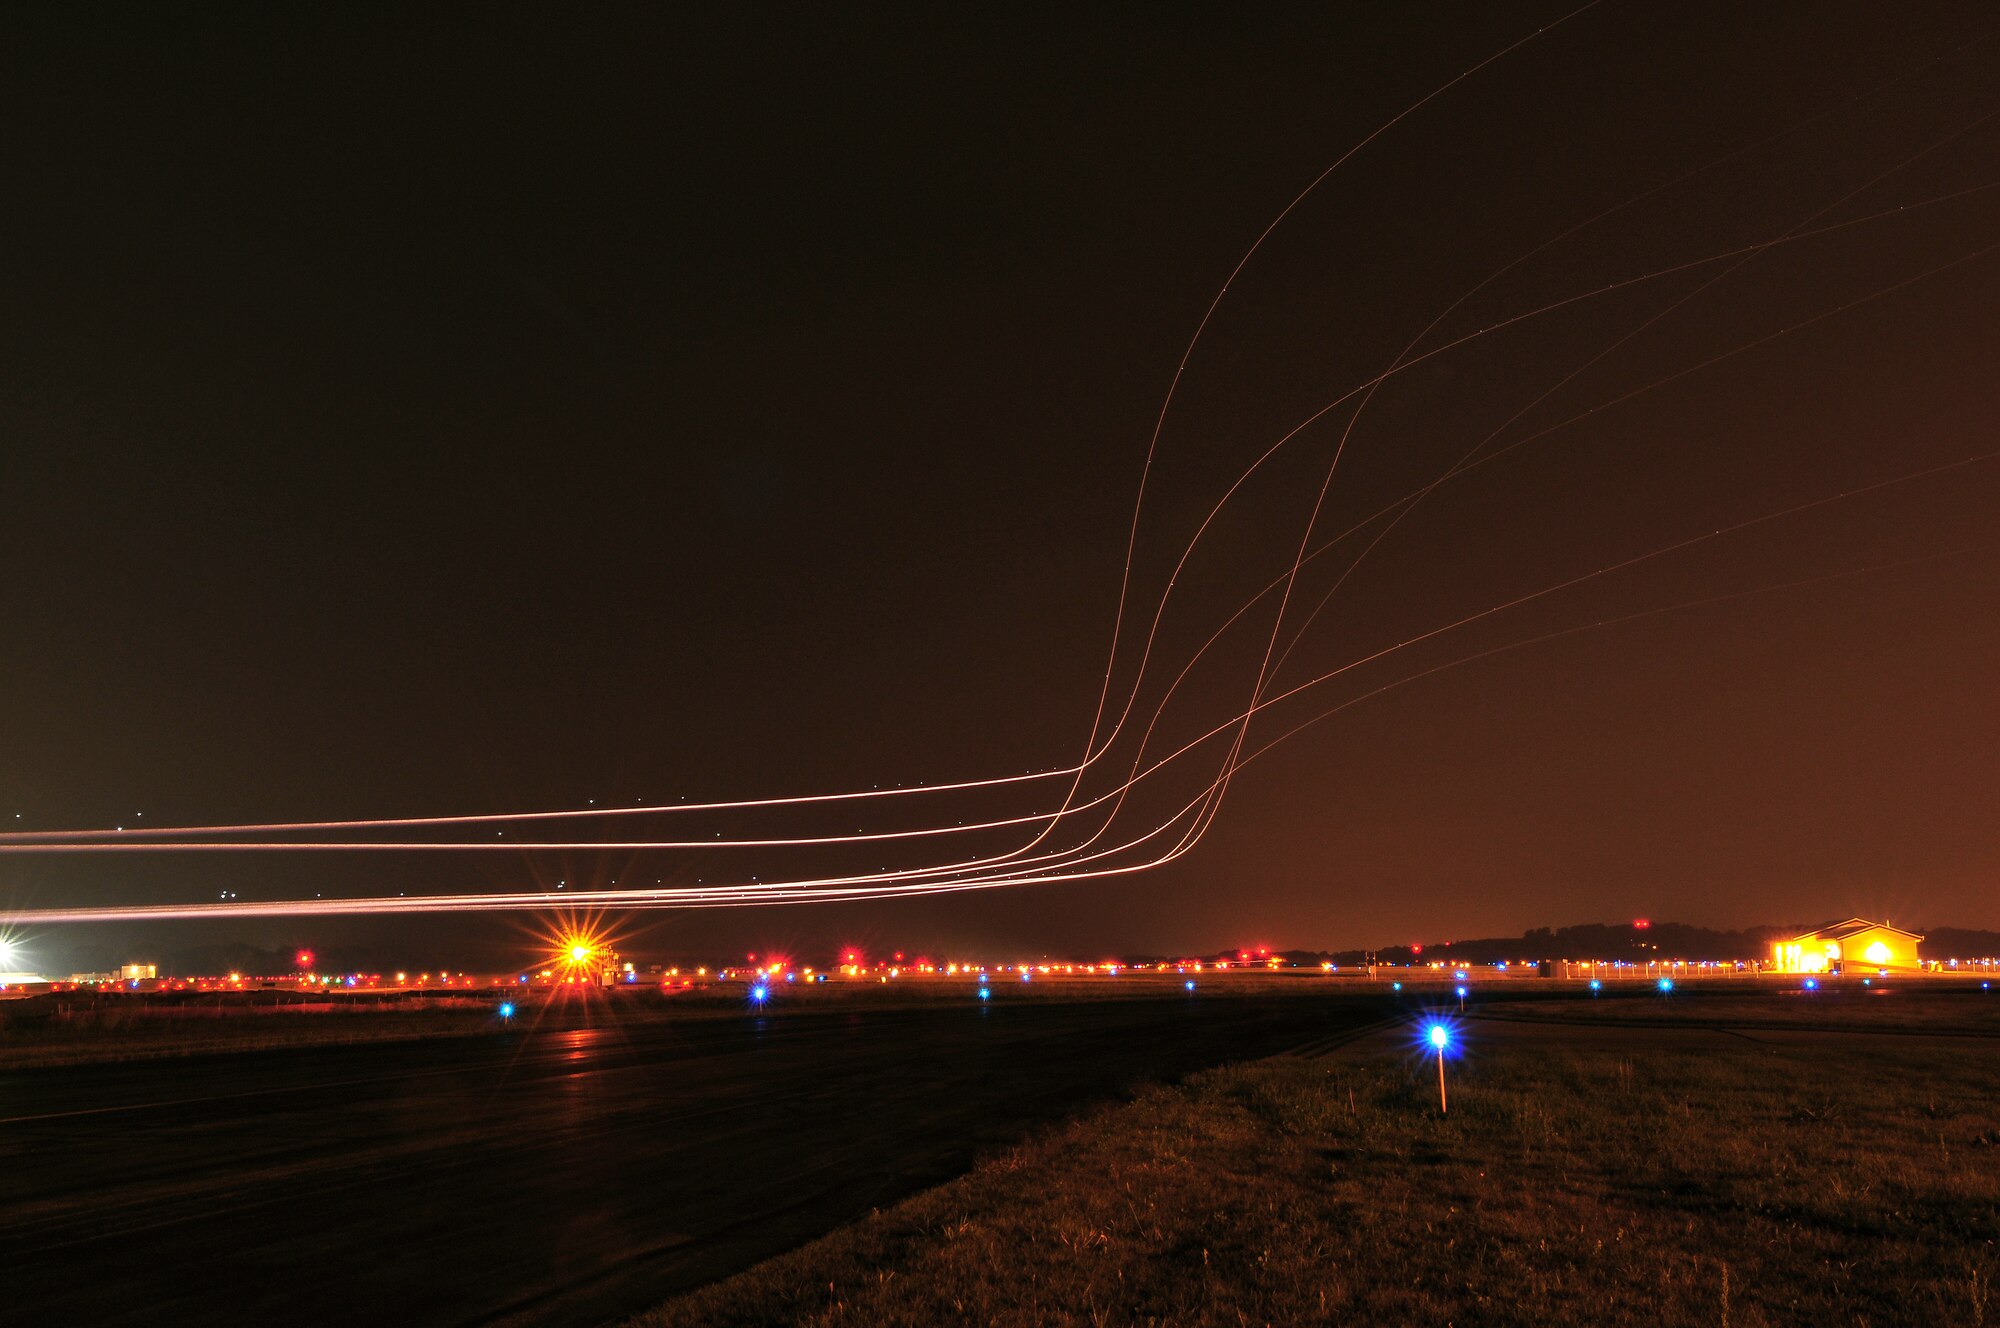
column 1855, row 944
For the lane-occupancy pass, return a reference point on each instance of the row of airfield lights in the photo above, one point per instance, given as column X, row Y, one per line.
column 773, row 971
column 579, row 955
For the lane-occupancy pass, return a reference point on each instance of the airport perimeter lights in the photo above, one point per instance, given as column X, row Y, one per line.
column 1439, row 1038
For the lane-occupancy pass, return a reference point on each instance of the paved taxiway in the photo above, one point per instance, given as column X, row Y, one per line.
column 565, row 1177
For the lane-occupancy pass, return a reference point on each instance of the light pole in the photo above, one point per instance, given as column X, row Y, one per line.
column 1440, row 1038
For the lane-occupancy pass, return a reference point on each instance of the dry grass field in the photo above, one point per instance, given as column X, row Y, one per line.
column 1618, row 1174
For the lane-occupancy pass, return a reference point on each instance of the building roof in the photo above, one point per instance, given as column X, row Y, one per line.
column 1845, row 927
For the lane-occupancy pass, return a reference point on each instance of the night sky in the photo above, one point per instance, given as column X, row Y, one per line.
column 498, row 408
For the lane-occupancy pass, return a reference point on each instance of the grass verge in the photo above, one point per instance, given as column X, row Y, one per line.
column 1672, row 1179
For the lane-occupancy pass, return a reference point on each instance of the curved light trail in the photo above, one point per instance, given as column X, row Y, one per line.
column 1066, row 843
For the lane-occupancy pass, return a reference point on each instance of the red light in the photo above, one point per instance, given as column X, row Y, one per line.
column 1640, row 924
column 1416, row 949
column 304, row 958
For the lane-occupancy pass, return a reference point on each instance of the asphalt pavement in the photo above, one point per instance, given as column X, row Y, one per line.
column 562, row 1178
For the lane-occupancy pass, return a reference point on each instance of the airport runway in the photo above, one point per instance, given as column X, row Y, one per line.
column 563, row 1178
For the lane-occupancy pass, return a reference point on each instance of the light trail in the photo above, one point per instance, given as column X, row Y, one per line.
column 810, row 892
column 880, row 885
column 1131, row 545
column 83, row 837
column 1796, row 232
column 71, row 842
column 1180, row 370
column 1008, row 868
column 902, row 884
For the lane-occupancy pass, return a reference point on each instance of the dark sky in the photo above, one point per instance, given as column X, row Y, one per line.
column 498, row 407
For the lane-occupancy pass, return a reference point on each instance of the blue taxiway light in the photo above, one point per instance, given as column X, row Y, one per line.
column 1461, row 993
column 758, row 993
column 1190, row 986
column 506, row 1009
column 1439, row 1036
column 1596, row 985
column 1395, row 986
column 984, row 994
column 1812, row 984
column 1666, row 984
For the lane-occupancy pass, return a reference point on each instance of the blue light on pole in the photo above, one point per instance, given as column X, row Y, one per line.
column 506, row 1009
column 758, row 993
column 1596, row 986
column 1812, row 984
column 1439, row 1038
column 984, row 994
column 1666, row 985
column 1190, row 984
